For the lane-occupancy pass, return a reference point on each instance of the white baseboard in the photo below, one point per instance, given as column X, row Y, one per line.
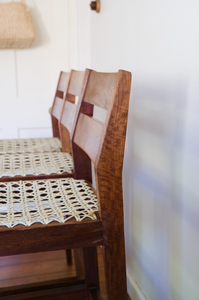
column 134, row 290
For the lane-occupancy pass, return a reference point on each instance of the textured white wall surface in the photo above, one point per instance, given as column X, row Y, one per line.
column 158, row 42
column 28, row 77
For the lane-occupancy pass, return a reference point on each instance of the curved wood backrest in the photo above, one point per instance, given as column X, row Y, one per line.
column 109, row 163
column 76, row 83
column 76, row 88
column 88, row 135
column 57, row 108
column 59, row 94
column 63, row 82
column 109, row 91
column 68, row 116
column 58, row 101
column 100, row 89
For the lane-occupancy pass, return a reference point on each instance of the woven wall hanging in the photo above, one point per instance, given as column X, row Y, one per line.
column 16, row 26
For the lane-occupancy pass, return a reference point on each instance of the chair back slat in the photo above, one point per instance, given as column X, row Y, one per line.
column 76, row 83
column 88, row 135
column 59, row 94
column 57, row 109
column 63, row 82
column 100, row 142
column 68, row 117
column 58, row 102
column 100, row 89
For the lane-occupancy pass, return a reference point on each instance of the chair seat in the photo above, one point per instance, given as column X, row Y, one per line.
column 36, row 164
column 13, row 146
column 29, row 202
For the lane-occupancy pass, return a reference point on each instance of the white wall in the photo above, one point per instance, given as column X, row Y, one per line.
column 158, row 42
column 28, row 77
column 79, row 34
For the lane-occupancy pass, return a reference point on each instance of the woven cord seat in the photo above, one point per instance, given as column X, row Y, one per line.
column 29, row 202
column 36, row 164
column 13, row 146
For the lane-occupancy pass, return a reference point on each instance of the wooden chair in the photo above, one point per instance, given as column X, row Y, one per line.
column 31, row 166
column 13, row 146
column 102, row 220
column 20, row 166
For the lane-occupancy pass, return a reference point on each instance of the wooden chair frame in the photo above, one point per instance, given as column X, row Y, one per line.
column 104, row 145
column 64, row 111
column 64, row 115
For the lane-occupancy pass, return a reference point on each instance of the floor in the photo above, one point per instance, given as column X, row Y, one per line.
column 41, row 267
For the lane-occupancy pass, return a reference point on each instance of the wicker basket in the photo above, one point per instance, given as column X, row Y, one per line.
column 16, row 26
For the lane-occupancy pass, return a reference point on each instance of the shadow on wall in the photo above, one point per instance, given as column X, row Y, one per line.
column 41, row 34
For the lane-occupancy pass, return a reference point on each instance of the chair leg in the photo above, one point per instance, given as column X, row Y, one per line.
column 69, row 257
column 79, row 262
column 91, row 267
column 115, row 270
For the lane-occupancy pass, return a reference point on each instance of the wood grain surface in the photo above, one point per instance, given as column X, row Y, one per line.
column 100, row 89
column 63, row 82
column 76, row 84
column 57, row 109
column 105, row 147
column 109, row 187
column 88, row 135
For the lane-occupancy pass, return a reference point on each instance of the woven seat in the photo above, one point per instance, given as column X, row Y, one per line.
column 35, row 164
column 29, row 202
column 30, row 145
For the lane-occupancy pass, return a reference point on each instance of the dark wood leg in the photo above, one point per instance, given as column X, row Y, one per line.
column 91, row 269
column 115, row 270
column 79, row 262
column 69, row 257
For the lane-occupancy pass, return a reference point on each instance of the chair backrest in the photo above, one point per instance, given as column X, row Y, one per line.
column 72, row 103
column 59, row 101
column 103, row 144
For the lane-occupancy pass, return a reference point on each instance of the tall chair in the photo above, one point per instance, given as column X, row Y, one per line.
column 13, row 146
column 31, row 166
column 69, row 213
